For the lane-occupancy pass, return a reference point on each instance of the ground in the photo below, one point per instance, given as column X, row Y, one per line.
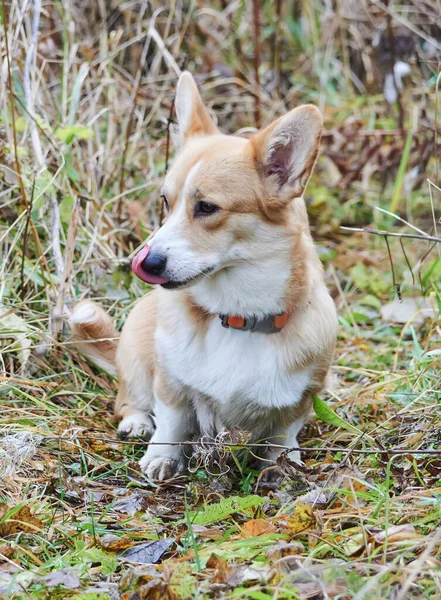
column 86, row 102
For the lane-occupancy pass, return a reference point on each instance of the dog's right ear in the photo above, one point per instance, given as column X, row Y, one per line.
column 193, row 117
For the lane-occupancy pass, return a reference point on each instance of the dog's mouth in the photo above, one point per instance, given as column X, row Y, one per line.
column 173, row 284
column 163, row 280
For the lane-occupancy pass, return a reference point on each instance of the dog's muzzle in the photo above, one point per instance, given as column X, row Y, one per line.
column 148, row 267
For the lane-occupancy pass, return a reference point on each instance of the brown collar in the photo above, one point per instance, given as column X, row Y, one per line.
column 270, row 324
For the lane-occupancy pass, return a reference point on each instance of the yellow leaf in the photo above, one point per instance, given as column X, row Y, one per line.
column 301, row 519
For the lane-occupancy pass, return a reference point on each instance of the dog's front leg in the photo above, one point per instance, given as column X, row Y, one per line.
column 287, row 437
column 175, row 423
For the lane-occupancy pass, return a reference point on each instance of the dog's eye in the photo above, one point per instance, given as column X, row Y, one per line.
column 166, row 204
column 204, row 208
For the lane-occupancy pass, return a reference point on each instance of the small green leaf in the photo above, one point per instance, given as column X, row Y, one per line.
column 224, row 509
column 20, row 123
column 66, row 206
column 108, row 562
column 326, row 414
column 68, row 134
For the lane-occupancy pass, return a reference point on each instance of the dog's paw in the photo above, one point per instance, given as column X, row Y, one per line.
column 136, row 425
column 160, row 467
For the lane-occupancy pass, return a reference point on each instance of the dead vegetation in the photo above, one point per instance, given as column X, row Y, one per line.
column 86, row 98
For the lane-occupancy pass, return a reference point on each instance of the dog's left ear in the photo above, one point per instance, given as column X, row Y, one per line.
column 285, row 152
column 193, row 117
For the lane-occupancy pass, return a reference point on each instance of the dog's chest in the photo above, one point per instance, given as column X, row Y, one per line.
column 230, row 367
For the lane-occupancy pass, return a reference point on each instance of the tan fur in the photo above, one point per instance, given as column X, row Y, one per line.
column 257, row 185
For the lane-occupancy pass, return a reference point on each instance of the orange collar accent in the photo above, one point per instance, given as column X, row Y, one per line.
column 270, row 324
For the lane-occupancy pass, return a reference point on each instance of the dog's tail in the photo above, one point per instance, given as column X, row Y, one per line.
column 94, row 335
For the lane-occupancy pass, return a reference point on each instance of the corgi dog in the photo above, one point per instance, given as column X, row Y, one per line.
column 240, row 328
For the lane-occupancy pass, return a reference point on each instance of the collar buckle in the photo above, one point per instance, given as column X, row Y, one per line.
column 241, row 323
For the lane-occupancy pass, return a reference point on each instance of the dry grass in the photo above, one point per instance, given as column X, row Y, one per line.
column 84, row 107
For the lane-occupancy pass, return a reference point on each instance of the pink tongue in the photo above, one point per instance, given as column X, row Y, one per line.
column 138, row 270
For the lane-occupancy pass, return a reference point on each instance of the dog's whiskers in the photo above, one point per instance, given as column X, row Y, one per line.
column 250, row 263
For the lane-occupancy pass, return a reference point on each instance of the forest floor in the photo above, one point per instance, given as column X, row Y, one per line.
column 79, row 193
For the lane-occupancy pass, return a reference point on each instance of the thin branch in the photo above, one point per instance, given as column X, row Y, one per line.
column 256, row 25
column 333, row 449
column 276, row 44
column 25, row 242
column 55, row 228
column 427, row 238
column 394, row 281
column 407, row 260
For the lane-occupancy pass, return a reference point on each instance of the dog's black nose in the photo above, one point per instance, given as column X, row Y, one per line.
column 154, row 263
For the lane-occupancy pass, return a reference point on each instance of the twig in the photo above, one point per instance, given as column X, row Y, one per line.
column 256, row 24
column 407, row 260
column 167, row 152
column 30, row 64
column 427, row 238
column 55, row 228
column 394, row 281
column 25, row 243
column 276, row 47
column 333, row 449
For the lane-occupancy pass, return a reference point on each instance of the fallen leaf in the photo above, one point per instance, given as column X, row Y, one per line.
column 326, row 414
column 301, row 519
column 131, row 504
column 283, row 549
column 67, row 578
column 225, row 508
column 110, row 541
column 402, row 311
column 256, row 527
column 147, row 552
column 16, row 581
column 397, row 533
column 221, row 570
column 211, row 533
column 13, row 521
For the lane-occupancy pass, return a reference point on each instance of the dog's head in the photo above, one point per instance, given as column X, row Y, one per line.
column 228, row 198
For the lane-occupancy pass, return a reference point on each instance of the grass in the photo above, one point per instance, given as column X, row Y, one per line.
column 77, row 517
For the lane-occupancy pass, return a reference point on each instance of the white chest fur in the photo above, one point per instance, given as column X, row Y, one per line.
column 236, row 371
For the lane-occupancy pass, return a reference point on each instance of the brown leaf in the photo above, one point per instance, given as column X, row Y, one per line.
column 256, row 527
column 221, row 569
column 284, row 549
column 110, row 541
column 21, row 520
column 211, row 533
